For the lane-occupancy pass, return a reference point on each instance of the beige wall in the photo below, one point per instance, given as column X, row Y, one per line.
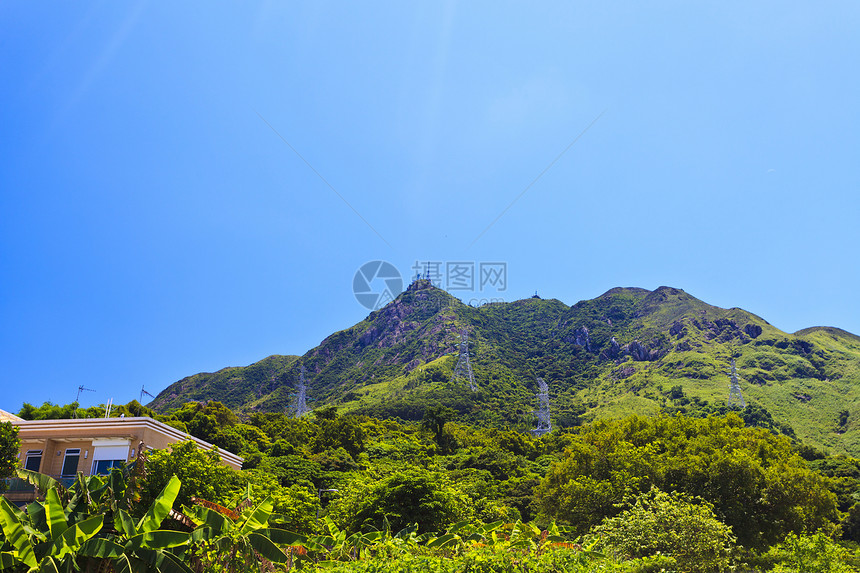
column 54, row 437
column 54, row 453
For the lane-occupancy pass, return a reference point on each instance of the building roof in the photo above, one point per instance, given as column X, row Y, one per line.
column 112, row 427
column 7, row 417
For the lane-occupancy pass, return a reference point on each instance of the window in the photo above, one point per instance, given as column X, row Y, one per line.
column 103, row 467
column 108, row 453
column 34, row 460
column 70, row 462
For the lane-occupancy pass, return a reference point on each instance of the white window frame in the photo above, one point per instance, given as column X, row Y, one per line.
column 75, row 452
column 34, row 454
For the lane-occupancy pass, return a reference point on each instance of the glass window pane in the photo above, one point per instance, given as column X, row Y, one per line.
column 103, row 467
column 33, row 462
column 70, row 463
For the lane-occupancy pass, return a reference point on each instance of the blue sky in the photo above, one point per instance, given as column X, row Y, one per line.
column 155, row 223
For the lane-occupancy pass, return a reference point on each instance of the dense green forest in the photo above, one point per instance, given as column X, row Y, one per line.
column 669, row 492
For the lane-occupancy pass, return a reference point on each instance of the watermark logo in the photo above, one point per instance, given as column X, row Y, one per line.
column 464, row 275
column 376, row 283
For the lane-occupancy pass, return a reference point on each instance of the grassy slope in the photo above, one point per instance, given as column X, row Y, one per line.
column 234, row 386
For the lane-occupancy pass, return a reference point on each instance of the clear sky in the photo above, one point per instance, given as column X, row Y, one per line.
column 158, row 219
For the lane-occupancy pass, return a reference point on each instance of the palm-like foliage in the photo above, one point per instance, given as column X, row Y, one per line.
column 239, row 539
column 84, row 526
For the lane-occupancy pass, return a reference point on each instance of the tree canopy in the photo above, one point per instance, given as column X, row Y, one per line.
column 9, row 448
column 756, row 481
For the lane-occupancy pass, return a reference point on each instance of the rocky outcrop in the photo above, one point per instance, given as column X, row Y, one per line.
column 613, row 351
column 641, row 353
column 622, row 373
column 580, row 338
column 722, row 329
column 637, row 351
column 802, row 346
column 752, row 330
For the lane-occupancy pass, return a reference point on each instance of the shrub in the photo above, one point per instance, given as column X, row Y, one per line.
column 404, row 498
column 673, row 525
column 809, row 554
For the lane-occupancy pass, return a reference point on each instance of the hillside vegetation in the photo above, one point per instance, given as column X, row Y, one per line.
column 628, row 351
column 353, row 493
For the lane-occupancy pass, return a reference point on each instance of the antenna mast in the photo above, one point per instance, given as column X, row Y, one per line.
column 544, row 425
column 142, row 392
column 78, row 396
column 464, row 366
column 301, row 406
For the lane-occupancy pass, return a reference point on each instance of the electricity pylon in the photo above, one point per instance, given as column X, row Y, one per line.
column 736, row 399
column 544, row 426
column 301, row 406
column 464, row 366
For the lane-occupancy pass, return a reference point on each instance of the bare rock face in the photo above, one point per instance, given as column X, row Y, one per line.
column 580, row 338
column 677, row 329
column 637, row 351
column 752, row 330
column 369, row 336
column 613, row 351
column 623, row 372
column 641, row 353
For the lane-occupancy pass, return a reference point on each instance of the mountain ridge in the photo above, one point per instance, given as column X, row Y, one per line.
column 620, row 352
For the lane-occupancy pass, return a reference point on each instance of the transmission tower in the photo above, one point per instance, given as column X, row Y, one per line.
column 544, row 425
column 464, row 367
column 736, row 399
column 301, row 406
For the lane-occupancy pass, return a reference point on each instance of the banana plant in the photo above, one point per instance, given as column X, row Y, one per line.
column 391, row 544
column 53, row 536
column 462, row 534
column 41, row 482
column 236, row 544
column 142, row 545
column 337, row 545
column 43, row 539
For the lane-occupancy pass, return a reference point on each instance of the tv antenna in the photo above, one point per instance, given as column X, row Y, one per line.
column 464, row 366
column 78, row 396
column 142, row 392
column 544, row 425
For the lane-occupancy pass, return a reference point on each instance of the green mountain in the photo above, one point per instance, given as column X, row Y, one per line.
column 629, row 350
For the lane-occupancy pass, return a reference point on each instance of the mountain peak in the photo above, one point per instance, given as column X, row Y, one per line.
column 635, row 291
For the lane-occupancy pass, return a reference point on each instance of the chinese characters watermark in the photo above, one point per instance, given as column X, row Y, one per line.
column 377, row 283
column 463, row 275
